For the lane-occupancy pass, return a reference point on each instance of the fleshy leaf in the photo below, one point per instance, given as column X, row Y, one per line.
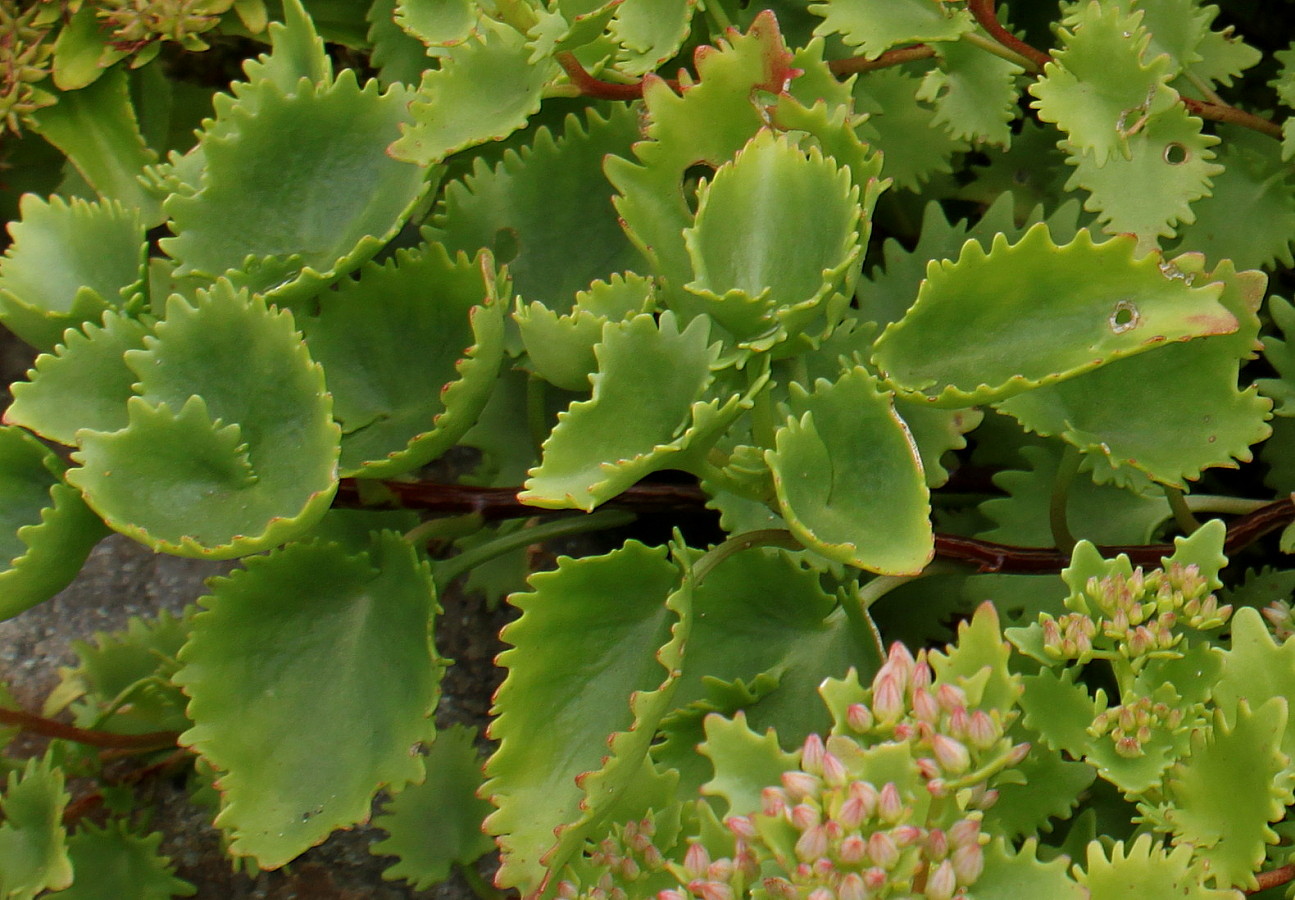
column 1146, row 871
column 83, row 383
column 67, row 264
column 228, row 471
column 849, row 478
column 312, row 675
column 914, row 146
column 33, row 845
column 438, row 23
column 1256, row 669
column 744, row 762
column 587, row 641
column 436, row 824
column 301, row 184
column 1009, row 875
column 485, row 89
column 650, row 32
column 595, row 452
column 1172, row 413
column 974, row 335
column 1098, row 88
column 553, row 248
column 874, row 26
column 112, row 862
column 392, row 343
column 46, row 531
column 1229, row 788
column 777, row 225
column 974, row 93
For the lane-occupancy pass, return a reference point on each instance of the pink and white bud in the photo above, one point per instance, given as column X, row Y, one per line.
column 984, row 800
column 965, row 833
column 982, row 731
column 629, row 869
column 890, row 806
column 780, row 888
column 875, row 879
column 812, row 844
column 928, row 767
column 852, row 888
column 653, row 859
column 888, row 698
column 925, row 707
column 711, row 890
column 821, row 894
column 937, row 844
column 951, row 697
column 741, row 827
column 805, row 816
column 696, row 861
column 907, row 835
column 904, row 731
column 834, row 771
column 937, row 787
column 800, row 785
column 748, row 864
column 882, row 849
column 671, row 894
column 968, row 863
column 853, row 850
column 900, row 657
column 567, row 890
column 959, row 723
column 721, row 870
column 922, row 675
column 941, row 883
column 858, row 717
column 811, row 755
column 1018, row 754
column 951, row 754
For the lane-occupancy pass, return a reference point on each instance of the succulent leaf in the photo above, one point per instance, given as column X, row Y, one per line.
column 33, row 845
column 113, row 862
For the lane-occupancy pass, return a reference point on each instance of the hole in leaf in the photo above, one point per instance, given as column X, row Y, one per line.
column 1176, row 154
column 692, row 177
column 505, row 248
column 1124, row 317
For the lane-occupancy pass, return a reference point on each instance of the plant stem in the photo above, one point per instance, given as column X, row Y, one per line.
column 1214, row 503
column 537, row 412
column 1182, row 513
column 34, row 724
column 1000, row 51
column 479, row 885
column 1273, row 877
column 718, row 15
column 766, row 537
column 445, row 571
column 1232, row 116
column 1067, row 469
column 983, row 11
column 895, row 57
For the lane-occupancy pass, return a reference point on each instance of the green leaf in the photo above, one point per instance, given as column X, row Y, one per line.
column 1147, row 871
column 977, row 662
column 1098, row 89
column 974, row 93
column 312, row 675
column 438, row 23
column 1010, row 874
column 1053, row 787
column 113, row 862
column 77, row 50
column 586, row 642
column 46, row 531
column 83, row 383
column 298, row 188
column 914, row 146
column 448, row 109
column 656, row 370
column 33, row 845
column 1172, row 413
column 67, row 264
column 1229, row 788
column 1256, row 669
column 874, row 26
column 98, row 132
column 973, row 336
column 436, row 824
column 778, row 226
column 553, row 249
column 392, row 346
column 228, row 471
column 1056, row 707
column 1280, row 355
column 744, row 762
column 1149, row 190
column 650, row 32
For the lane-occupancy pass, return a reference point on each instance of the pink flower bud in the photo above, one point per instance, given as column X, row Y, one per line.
column 852, row 888
column 937, row 844
column 1018, row 754
column 928, row 767
column 653, row 859
column 959, row 723
column 907, row 835
column 805, row 816
column 858, row 717
column 721, row 870
column 951, row 754
column 811, row 755
column 888, row 698
column 942, row 882
column 853, row 850
column 965, row 833
column 821, row 894
column 834, row 772
column 696, row 861
column 890, row 806
column 671, row 894
column 865, row 793
column 968, row 863
column 812, row 844
column 567, row 890
column 901, row 659
column 982, row 732
column 951, row 697
column 882, row 849
column 748, row 864
column 741, row 826
column 922, row 675
column 904, row 731
column 780, row 888
column 986, row 799
column 629, row 869
column 800, row 785
column 875, row 879
column 937, row 787
column 711, row 890
column 925, row 708
column 773, row 801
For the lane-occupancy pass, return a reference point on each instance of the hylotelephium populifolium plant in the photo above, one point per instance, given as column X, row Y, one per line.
column 954, row 320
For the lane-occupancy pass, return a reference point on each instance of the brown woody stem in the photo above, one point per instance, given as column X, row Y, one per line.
column 983, row 11
column 34, row 724
column 894, row 57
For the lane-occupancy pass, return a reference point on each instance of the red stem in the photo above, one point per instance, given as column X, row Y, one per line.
column 1273, row 877
column 894, row 57
column 983, row 11
column 34, row 724
column 595, row 87
column 1233, row 116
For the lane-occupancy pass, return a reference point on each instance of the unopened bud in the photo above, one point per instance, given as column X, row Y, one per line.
column 629, row 869
column 800, row 785
column 852, row 888
column 773, row 801
column 780, row 889
column 922, row 674
column 853, row 850
column 951, row 754
column 858, row 717
column 741, row 826
column 965, row 833
column 696, row 861
column 982, row 732
column 907, row 835
column 942, row 882
column 812, row 844
column 968, row 863
column 711, row 890
column 821, row 893
column 925, row 708
column 834, row 773
column 811, row 755
column 890, row 806
column 805, row 816
column 951, row 697
column 882, row 849
column 671, row 894
column 888, row 698
column 1018, row 753
column 937, row 844
column 874, row 879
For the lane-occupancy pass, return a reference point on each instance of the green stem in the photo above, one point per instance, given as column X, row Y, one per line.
column 479, row 885
column 1182, row 512
column 446, row 570
column 717, row 477
column 445, row 527
column 767, row 537
column 537, row 418
column 991, row 46
column 763, row 422
column 715, row 9
column 1067, row 469
column 1215, row 503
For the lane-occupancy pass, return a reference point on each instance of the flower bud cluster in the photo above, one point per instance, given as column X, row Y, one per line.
column 950, row 741
column 625, row 858
column 137, row 23
column 25, row 58
column 1138, row 615
column 1132, row 725
column 1281, row 619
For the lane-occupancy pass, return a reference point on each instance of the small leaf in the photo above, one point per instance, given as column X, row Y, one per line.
column 849, row 478
column 438, row 23
column 312, row 676
column 1145, row 870
column 113, row 862
column 1256, row 669
column 974, row 93
column 1010, row 874
column 745, row 763
column 448, row 110
column 650, row 32
column 67, row 264
column 437, row 824
column 913, row 145
column 33, row 845
column 875, row 26
column 974, row 335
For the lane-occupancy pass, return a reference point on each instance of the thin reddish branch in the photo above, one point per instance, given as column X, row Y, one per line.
column 1230, row 114
column 595, row 87
column 894, row 57
column 34, row 724
column 983, row 11
column 1273, row 877
column 985, row 556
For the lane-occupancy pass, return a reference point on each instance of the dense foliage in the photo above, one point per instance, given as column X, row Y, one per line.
column 940, row 337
